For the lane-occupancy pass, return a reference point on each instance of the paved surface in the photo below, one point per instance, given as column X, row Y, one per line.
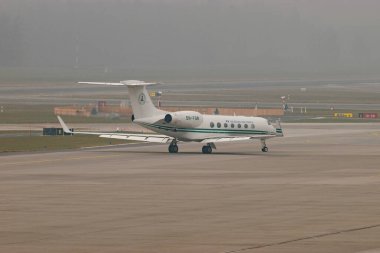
column 317, row 190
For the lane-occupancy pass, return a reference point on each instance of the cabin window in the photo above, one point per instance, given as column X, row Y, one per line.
column 245, row 126
column 232, row 125
column 225, row 125
column 218, row 125
column 212, row 124
column 252, row 126
column 239, row 125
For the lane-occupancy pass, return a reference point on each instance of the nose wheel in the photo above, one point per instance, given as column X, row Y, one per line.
column 264, row 147
column 173, row 147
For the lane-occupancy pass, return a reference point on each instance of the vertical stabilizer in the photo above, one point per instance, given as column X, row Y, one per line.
column 141, row 103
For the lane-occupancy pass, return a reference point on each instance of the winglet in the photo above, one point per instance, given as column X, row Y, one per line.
column 65, row 128
column 279, row 131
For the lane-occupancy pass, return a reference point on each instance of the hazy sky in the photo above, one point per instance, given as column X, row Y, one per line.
column 244, row 37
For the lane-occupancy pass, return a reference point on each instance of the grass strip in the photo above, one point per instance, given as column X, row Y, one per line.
column 48, row 143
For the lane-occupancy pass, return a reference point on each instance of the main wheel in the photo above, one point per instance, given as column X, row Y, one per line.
column 264, row 149
column 206, row 149
column 173, row 148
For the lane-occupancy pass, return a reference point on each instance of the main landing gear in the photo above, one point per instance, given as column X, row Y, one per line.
column 207, row 149
column 173, row 147
column 264, row 147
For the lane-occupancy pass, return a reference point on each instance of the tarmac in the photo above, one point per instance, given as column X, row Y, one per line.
column 316, row 190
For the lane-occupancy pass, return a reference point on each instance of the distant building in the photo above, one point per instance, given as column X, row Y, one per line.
column 103, row 108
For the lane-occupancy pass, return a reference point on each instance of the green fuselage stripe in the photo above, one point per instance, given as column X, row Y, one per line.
column 205, row 130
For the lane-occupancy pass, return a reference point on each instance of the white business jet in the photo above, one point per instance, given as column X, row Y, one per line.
column 186, row 126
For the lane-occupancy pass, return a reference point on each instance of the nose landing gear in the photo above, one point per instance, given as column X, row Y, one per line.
column 264, row 147
column 173, row 147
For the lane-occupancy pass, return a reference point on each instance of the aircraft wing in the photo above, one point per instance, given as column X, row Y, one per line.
column 123, row 136
column 236, row 138
column 139, row 137
column 123, row 83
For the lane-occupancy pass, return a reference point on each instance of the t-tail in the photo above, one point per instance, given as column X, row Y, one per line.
column 141, row 103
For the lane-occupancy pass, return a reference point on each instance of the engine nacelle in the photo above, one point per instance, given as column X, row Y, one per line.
column 184, row 118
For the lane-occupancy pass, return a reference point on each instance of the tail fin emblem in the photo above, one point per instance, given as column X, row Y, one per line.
column 142, row 98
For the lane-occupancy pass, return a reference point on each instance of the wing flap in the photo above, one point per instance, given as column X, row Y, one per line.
column 100, row 83
column 139, row 137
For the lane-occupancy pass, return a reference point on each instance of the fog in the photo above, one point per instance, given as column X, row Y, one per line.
column 208, row 38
